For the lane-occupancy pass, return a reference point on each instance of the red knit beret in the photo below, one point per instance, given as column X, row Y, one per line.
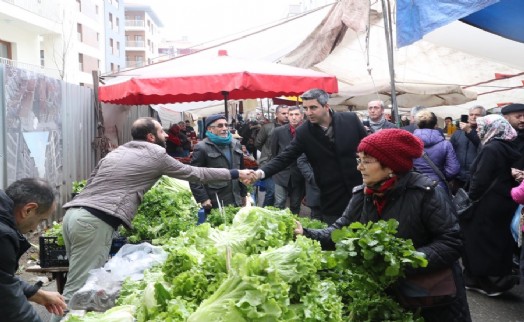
column 393, row 148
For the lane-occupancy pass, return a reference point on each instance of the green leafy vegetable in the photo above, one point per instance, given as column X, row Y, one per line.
column 56, row 231
column 79, row 186
column 167, row 209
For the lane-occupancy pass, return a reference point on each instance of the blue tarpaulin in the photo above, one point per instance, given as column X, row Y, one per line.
column 417, row 18
column 505, row 18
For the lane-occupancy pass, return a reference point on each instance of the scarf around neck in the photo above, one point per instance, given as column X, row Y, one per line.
column 377, row 125
column 378, row 193
column 218, row 140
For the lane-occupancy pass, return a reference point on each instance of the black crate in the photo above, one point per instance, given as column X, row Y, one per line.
column 52, row 255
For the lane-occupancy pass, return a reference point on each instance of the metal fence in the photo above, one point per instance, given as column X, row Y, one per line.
column 49, row 127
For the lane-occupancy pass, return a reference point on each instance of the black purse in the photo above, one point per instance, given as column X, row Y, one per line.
column 461, row 200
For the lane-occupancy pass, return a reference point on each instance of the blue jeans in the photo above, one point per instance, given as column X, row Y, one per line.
column 269, row 198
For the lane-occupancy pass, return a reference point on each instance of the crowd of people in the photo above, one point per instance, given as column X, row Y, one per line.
column 344, row 168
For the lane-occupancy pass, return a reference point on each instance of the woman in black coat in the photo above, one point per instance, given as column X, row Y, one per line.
column 392, row 191
column 488, row 243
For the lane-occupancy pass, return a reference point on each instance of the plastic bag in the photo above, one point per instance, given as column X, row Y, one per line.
column 102, row 287
column 516, row 225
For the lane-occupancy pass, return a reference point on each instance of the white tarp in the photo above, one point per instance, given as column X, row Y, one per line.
column 421, row 63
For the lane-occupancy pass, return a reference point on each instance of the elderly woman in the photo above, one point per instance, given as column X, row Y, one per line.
column 392, row 190
column 488, row 243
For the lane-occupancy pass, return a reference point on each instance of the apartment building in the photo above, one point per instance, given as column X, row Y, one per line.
column 65, row 39
column 142, row 36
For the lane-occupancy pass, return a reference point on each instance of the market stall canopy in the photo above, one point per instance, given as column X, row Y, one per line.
column 408, row 94
column 196, row 78
column 360, row 62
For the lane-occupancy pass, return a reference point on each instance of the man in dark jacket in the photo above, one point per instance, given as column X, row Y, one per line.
column 329, row 141
column 23, row 205
column 465, row 143
column 263, row 143
column 288, row 182
column 218, row 150
column 514, row 114
column 376, row 119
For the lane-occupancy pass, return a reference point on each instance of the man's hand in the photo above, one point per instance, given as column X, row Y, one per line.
column 465, row 127
column 247, row 176
column 298, row 229
column 207, row 204
column 53, row 301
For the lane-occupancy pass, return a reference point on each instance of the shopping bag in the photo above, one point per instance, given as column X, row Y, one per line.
column 463, row 204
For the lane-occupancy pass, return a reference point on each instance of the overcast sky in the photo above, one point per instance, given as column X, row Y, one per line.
column 203, row 20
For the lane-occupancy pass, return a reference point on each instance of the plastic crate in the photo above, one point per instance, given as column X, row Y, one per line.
column 51, row 254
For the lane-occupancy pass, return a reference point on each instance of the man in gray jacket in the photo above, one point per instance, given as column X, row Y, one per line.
column 114, row 191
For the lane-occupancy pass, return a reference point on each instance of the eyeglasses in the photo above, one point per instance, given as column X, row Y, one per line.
column 365, row 161
column 220, row 125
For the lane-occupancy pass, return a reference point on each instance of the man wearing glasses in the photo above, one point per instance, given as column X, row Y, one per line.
column 329, row 140
column 218, row 150
column 376, row 119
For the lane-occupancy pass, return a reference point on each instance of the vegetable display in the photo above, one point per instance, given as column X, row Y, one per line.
column 55, row 231
column 167, row 209
column 255, row 269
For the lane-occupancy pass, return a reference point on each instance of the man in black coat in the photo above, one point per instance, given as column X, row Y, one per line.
column 23, row 205
column 329, row 141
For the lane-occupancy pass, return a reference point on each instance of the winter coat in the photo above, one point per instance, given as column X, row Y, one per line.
column 121, row 178
column 333, row 163
column 312, row 191
column 441, row 152
column 263, row 142
column 208, row 154
column 517, row 193
column 487, row 237
column 281, row 138
column 425, row 216
column 13, row 291
column 465, row 146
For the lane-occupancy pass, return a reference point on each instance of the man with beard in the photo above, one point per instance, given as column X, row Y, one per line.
column 114, row 192
column 465, row 143
column 514, row 114
column 329, row 140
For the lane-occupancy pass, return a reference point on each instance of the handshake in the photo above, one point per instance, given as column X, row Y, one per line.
column 250, row 176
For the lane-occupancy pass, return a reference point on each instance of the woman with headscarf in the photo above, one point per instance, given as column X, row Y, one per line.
column 391, row 190
column 488, row 244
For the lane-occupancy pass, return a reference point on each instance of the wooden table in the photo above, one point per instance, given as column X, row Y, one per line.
column 58, row 273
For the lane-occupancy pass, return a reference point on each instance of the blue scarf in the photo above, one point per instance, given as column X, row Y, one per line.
column 218, row 140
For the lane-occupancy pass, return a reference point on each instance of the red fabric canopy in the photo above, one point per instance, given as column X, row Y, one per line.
column 198, row 78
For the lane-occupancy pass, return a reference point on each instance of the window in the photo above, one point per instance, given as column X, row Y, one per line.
column 111, row 20
column 81, row 62
column 79, row 31
column 5, row 49
column 79, row 3
column 96, row 9
column 112, row 67
column 111, row 45
column 42, row 58
column 117, row 24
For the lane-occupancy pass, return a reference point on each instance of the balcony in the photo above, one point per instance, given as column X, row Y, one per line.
column 54, row 73
column 136, row 43
column 133, row 63
column 135, row 23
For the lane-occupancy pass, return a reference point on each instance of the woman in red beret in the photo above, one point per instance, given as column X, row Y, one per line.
column 391, row 190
